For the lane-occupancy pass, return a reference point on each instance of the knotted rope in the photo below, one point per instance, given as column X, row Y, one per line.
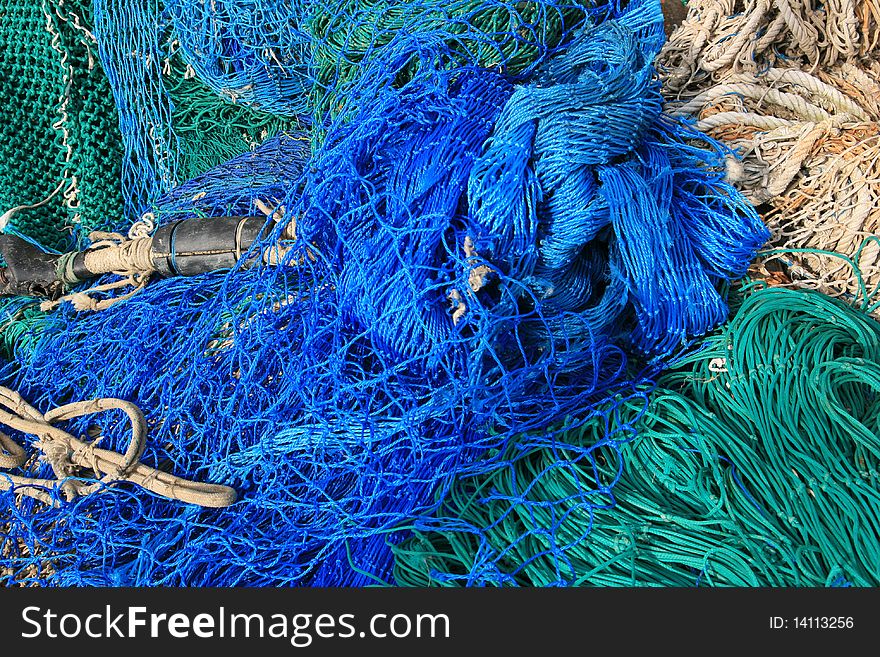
column 71, row 457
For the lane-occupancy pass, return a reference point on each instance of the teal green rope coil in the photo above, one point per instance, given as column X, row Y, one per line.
column 754, row 464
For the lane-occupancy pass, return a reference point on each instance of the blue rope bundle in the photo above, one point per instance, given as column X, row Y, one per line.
column 584, row 188
column 473, row 254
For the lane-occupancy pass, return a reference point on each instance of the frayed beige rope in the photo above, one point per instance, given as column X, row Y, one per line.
column 723, row 36
column 794, row 89
column 109, row 253
column 132, row 258
column 71, row 458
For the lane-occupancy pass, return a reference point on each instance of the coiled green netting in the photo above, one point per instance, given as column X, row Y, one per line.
column 754, row 462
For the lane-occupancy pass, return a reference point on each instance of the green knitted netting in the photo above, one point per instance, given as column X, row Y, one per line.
column 210, row 130
column 57, row 122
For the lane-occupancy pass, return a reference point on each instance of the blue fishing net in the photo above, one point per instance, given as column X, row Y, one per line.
column 466, row 257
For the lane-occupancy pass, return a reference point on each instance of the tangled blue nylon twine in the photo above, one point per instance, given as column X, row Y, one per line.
column 475, row 256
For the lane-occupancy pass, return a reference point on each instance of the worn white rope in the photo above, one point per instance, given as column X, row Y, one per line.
column 794, row 88
column 70, row 456
column 760, row 92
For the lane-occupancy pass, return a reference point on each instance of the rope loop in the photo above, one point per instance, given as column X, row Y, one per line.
column 69, row 456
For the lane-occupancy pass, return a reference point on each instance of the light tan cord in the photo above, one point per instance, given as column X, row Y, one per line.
column 70, row 457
